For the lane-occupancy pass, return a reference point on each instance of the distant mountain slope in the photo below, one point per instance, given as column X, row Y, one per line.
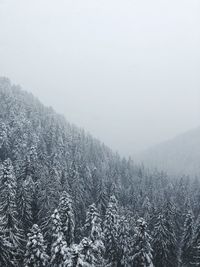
column 180, row 155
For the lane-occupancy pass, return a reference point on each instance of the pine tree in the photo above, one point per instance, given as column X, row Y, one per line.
column 82, row 255
column 111, row 232
column 124, row 242
column 171, row 226
column 91, row 216
column 59, row 249
column 49, row 192
column 102, row 201
column 146, row 208
column 86, row 255
column 35, row 255
column 195, row 257
column 161, row 244
column 32, row 164
column 77, row 187
column 186, row 246
column 6, row 252
column 67, row 217
column 142, row 254
column 93, row 224
column 59, row 245
column 8, row 210
column 25, row 199
column 28, row 191
column 4, row 143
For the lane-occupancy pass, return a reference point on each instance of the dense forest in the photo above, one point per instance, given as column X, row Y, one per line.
column 66, row 200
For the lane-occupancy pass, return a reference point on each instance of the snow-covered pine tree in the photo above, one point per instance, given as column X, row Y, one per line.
column 28, row 165
column 124, row 242
column 24, row 201
column 97, row 189
column 35, row 255
column 8, row 209
column 195, row 258
column 96, row 229
column 82, row 255
column 93, row 223
column 59, row 247
column 91, row 215
column 32, row 166
column 171, row 226
column 146, row 208
column 86, row 254
column 6, row 252
column 102, row 199
column 111, row 224
column 77, row 186
column 161, row 245
column 67, row 217
column 28, row 187
column 142, row 254
column 48, row 199
column 4, row 143
column 186, row 244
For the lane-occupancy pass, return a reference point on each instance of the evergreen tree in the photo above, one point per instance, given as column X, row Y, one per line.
column 32, row 164
column 96, row 234
column 91, row 216
column 124, row 242
column 59, row 245
column 8, row 210
column 171, row 226
column 111, row 232
column 187, row 246
column 6, row 252
column 86, row 254
column 49, row 192
column 35, row 255
column 102, row 199
column 195, row 258
column 77, row 187
column 67, row 217
column 4, row 143
column 25, row 199
column 146, row 208
column 142, row 254
column 161, row 243
column 82, row 255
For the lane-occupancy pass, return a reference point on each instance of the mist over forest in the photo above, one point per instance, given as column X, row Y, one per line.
column 99, row 133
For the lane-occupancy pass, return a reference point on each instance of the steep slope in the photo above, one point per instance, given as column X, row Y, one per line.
column 180, row 155
column 65, row 198
column 56, row 154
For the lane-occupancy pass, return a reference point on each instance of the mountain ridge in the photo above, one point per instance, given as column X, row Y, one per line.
column 178, row 155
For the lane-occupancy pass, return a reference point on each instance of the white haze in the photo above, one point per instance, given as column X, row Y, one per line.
column 127, row 71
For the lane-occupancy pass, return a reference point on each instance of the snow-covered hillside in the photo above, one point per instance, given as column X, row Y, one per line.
column 180, row 155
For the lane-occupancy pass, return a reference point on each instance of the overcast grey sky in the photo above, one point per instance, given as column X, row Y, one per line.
column 128, row 71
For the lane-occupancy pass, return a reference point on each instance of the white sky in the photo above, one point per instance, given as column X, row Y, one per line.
column 128, row 71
